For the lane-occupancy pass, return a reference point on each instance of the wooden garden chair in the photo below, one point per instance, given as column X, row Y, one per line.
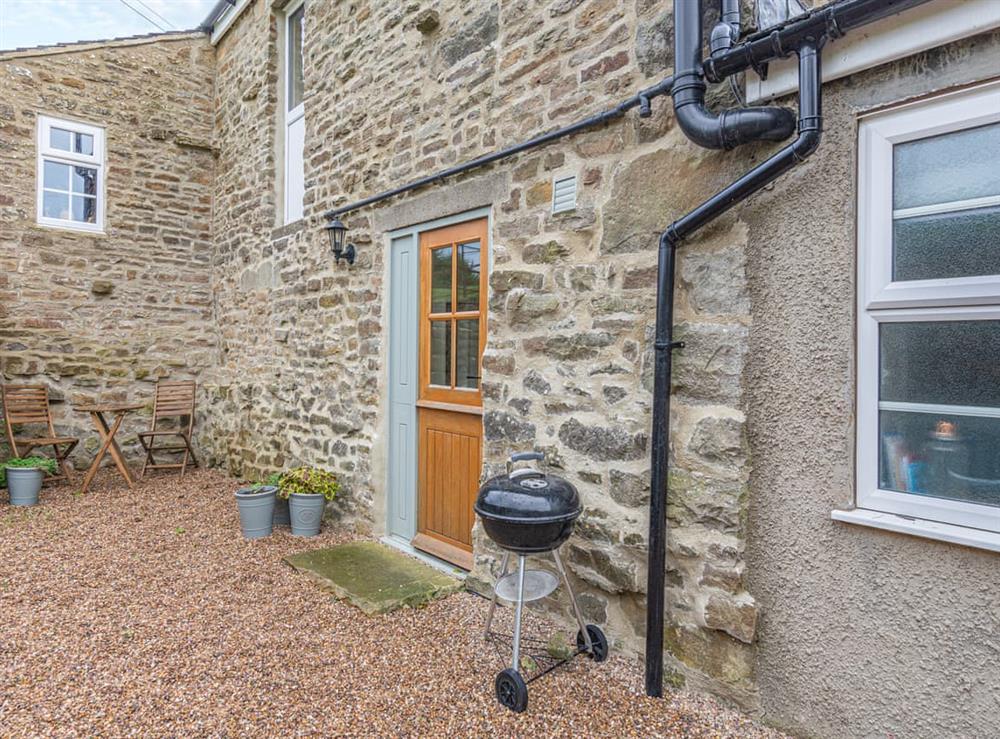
column 173, row 401
column 28, row 405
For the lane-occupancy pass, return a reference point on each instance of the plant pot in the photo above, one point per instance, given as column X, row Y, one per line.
column 306, row 513
column 281, row 515
column 256, row 506
column 24, row 484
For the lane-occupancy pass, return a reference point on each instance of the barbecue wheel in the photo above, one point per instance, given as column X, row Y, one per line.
column 512, row 691
column 598, row 643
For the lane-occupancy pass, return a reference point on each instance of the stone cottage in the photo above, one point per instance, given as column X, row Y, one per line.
column 833, row 516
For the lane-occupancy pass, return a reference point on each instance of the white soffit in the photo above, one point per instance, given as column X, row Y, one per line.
column 934, row 24
column 228, row 17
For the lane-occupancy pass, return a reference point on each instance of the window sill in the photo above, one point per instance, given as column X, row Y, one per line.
column 74, row 229
column 975, row 538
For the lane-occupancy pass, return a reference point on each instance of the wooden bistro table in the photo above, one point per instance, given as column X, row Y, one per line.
column 107, row 434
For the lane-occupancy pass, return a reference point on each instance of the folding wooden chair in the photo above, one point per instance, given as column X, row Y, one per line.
column 28, row 405
column 173, row 400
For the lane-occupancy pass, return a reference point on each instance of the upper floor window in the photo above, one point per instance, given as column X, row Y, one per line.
column 929, row 313
column 70, row 175
column 294, row 111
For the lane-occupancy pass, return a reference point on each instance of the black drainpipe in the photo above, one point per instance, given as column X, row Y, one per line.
column 804, row 36
column 810, row 125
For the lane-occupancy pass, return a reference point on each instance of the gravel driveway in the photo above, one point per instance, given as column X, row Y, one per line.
column 146, row 613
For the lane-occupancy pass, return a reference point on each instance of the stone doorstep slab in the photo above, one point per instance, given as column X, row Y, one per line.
column 374, row 577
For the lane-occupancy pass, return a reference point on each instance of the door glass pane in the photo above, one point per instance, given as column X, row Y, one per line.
column 941, row 362
column 59, row 138
column 961, row 244
column 55, row 175
column 296, row 29
column 441, row 280
column 84, row 209
column 83, row 143
column 940, row 455
column 440, row 351
column 468, row 277
column 467, row 353
column 55, row 205
column 85, row 180
column 952, row 166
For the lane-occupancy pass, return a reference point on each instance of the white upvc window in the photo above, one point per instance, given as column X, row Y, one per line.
column 70, row 175
column 294, row 127
column 928, row 398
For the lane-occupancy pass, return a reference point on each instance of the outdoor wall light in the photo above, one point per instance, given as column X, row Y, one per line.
column 337, row 230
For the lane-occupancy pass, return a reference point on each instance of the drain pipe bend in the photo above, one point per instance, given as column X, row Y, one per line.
column 732, row 127
column 810, row 126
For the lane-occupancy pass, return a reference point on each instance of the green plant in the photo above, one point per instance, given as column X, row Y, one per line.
column 271, row 481
column 309, row 481
column 42, row 463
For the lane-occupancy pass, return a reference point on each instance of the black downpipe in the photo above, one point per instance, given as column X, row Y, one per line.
column 810, row 126
column 732, row 127
column 727, row 30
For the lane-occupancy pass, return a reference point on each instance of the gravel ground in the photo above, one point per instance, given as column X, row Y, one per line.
column 146, row 613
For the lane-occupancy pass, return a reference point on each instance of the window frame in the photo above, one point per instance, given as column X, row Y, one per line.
column 291, row 116
column 96, row 161
column 882, row 300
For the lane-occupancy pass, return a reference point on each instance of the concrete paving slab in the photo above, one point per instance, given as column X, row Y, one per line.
column 374, row 577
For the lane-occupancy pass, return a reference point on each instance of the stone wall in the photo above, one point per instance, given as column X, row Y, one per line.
column 106, row 315
column 393, row 93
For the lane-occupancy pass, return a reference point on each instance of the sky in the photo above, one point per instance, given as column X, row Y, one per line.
column 38, row 22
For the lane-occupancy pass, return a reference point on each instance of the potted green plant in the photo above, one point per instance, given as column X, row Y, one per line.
column 25, row 476
column 307, row 490
column 256, row 506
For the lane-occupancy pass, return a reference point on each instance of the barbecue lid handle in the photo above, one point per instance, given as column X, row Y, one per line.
column 523, row 457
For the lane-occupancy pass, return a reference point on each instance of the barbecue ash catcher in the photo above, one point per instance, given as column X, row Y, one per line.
column 529, row 512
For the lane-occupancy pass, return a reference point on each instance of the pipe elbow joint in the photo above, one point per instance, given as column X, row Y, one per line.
column 733, row 128
column 806, row 143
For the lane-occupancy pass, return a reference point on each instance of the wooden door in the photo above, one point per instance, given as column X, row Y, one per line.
column 449, row 407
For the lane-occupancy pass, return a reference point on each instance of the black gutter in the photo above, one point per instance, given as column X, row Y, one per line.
column 804, row 36
column 640, row 100
column 220, row 7
column 831, row 21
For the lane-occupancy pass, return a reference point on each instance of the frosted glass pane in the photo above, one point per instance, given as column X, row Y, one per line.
column 467, row 353
column 296, row 29
column 941, row 456
column 960, row 244
column 440, row 351
column 56, row 175
column 941, row 362
column 952, row 166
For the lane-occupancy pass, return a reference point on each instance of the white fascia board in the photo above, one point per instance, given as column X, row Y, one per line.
column 228, row 17
column 925, row 27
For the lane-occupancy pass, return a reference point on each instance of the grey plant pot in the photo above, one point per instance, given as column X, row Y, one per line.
column 256, row 511
column 281, row 515
column 307, row 513
column 24, row 484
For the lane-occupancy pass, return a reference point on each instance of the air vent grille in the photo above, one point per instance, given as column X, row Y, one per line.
column 564, row 194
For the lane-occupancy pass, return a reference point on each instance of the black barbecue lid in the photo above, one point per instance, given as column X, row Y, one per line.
column 528, row 494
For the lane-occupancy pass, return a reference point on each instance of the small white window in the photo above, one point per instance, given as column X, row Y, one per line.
column 929, row 316
column 294, row 110
column 70, row 175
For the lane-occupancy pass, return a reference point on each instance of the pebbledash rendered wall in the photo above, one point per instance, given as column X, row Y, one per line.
column 770, row 603
column 106, row 315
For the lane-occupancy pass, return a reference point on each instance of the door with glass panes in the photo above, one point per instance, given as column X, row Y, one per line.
column 449, row 405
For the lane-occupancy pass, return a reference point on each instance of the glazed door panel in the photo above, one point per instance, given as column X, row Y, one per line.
column 452, row 335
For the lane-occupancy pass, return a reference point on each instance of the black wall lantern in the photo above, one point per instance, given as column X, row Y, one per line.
column 337, row 231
